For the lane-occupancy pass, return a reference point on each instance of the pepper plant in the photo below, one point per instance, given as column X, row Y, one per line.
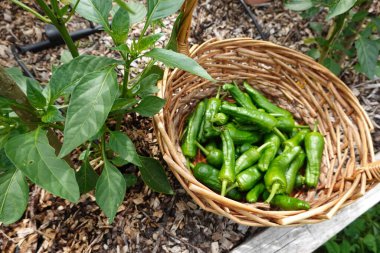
column 85, row 102
column 352, row 33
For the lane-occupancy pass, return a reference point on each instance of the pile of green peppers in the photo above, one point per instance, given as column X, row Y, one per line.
column 253, row 149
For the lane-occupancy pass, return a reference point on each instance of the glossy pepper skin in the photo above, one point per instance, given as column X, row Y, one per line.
column 285, row 124
column 227, row 173
column 240, row 136
column 244, row 147
column 265, row 121
column 270, row 152
column 292, row 172
column 248, row 158
column 239, row 96
column 220, row 119
column 189, row 148
column 212, row 108
column 275, row 179
column 300, row 181
column 262, row 102
column 208, row 175
column 214, row 157
column 296, row 140
column 314, row 144
column 288, row 203
column 254, row 194
column 246, row 179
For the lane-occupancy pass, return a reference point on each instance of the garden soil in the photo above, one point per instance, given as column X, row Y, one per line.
column 147, row 221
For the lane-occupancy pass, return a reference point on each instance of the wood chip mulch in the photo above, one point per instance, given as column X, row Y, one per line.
column 146, row 221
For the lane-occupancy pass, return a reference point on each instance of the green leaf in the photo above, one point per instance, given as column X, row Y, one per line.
column 298, row 5
column 147, row 86
column 19, row 78
column 332, row 247
column 33, row 155
column 332, row 65
column 340, row 7
column 370, row 242
column 367, row 54
column 95, row 10
column 110, row 190
column 154, row 69
column 122, row 48
column 120, row 26
column 91, row 101
column 172, row 43
column 316, row 27
column 52, row 114
column 123, row 103
column 148, row 41
column 314, row 53
column 177, row 60
column 158, row 9
column 139, row 12
column 154, row 175
column 130, row 180
column 124, row 147
column 69, row 74
column 124, row 6
column 66, row 56
column 149, row 106
column 14, row 194
column 119, row 162
column 5, row 163
column 35, row 96
column 86, row 177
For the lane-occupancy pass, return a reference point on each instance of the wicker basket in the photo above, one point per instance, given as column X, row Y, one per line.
column 293, row 81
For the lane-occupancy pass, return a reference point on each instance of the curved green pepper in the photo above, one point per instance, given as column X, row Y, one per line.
column 292, row 172
column 212, row 108
column 254, row 194
column 314, row 144
column 239, row 96
column 209, row 176
column 220, row 119
column 240, row 137
column 270, row 152
column 189, row 148
column 248, row 158
column 246, row 179
column 227, row 173
column 288, row 203
column 214, row 157
column 275, row 179
column 296, row 140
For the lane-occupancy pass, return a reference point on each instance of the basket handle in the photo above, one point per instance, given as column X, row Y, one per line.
column 185, row 25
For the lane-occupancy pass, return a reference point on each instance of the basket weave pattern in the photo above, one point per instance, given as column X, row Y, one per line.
column 294, row 82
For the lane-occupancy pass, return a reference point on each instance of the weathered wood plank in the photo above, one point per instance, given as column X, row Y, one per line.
column 308, row 238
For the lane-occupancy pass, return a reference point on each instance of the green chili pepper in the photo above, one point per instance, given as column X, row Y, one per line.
column 300, row 181
column 201, row 138
column 208, row 175
column 254, row 194
column 314, row 144
column 262, row 102
column 249, row 157
column 211, row 145
column 291, row 173
column 275, row 179
column 287, row 124
column 214, row 157
column 239, row 96
column 220, row 119
column 262, row 119
column 227, row 173
column 239, row 136
column 246, row 179
column 212, row 109
column 189, row 147
column 244, row 147
column 296, row 140
column 288, row 203
column 270, row 152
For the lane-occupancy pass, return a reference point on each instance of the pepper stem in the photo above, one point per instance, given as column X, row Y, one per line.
column 315, row 126
column 224, row 187
column 218, row 93
column 231, row 187
column 278, row 132
column 263, row 146
column 301, row 126
column 192, row 166
column 205, row 151
column 273, row 192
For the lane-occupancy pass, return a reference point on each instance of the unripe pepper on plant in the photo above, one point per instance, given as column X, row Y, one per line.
column 314, row 144
column 189, row 148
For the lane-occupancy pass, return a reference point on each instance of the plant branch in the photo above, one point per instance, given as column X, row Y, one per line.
column 32, row 11
column 72, row 11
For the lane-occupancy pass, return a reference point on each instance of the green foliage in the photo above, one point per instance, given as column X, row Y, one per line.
column 361, row 236
column 82, row 100
column 353, row 34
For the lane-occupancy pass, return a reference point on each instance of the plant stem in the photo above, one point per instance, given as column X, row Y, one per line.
column 72, row 11
column 60, row 25
column 32, row 11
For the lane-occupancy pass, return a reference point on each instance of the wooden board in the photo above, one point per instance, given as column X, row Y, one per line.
column 308, row 238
